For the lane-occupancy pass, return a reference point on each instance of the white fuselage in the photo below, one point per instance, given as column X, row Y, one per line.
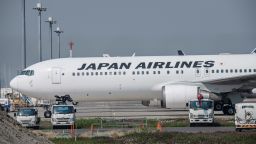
column 128, row 78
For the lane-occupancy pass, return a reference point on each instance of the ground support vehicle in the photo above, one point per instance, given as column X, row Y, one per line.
column 62, row 115
column 201, row 111
column 245, row 116
column 5, row 104
column 28, row 117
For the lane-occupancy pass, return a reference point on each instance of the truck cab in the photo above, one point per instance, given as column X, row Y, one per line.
column 5, row 104
column 201, row 111
column 27, row 117
column 63, row 115
column 245, row 116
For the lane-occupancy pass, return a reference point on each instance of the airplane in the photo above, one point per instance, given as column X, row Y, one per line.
column 226, row 78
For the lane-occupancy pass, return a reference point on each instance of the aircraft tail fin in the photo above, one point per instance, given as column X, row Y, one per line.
column 181, row 53
column 254, row 51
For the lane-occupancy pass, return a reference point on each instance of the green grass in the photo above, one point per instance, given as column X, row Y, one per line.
column 169, row 123
column 150, row 123
column 86, row 123
column 153, row 138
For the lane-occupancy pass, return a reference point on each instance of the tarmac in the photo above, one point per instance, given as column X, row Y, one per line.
column 127, row 110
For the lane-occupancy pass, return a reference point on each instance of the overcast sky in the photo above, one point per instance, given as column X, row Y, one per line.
column 122, row 27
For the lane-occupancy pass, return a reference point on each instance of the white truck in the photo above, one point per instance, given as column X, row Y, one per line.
column 28, row 117
column 5, row 104
column 245, row 115
column 63, row 115
column 201, row 111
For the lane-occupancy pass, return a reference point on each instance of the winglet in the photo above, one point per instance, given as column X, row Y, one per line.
column 254, row 51
column 181, row 53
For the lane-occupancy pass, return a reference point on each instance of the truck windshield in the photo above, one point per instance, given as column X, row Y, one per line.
column 204, row 105
column 63, row 109
column 26, row 112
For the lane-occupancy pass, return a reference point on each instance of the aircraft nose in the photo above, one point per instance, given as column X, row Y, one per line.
column 14, row 83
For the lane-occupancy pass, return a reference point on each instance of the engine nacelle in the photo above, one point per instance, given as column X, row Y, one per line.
column 254, row 90
column 145, row 103
column 176, row 96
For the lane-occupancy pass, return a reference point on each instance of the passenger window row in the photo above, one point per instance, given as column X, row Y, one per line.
column 97, row 73
column 153, row 72
column 230, row 71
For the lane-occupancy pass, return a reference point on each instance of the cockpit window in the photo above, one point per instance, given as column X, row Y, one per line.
column 27, row 72
column 32, row 72
column 23, row 73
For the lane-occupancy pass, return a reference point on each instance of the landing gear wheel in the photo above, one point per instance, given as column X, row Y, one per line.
column 228, row 110
column 231, row 111
column 218, row 106
column 47, row 114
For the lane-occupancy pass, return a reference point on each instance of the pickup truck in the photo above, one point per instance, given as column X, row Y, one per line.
column 27, row 117
column 63, row 115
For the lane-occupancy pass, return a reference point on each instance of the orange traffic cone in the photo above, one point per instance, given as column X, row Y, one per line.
column 158, row 126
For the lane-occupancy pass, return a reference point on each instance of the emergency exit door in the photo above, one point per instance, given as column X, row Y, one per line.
column 56, row 76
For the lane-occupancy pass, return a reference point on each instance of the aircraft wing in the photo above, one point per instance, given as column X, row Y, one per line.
column 249, row 80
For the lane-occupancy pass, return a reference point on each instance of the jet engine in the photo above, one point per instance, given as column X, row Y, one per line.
column 177, row 96
column 254, row 90
column 145, row 103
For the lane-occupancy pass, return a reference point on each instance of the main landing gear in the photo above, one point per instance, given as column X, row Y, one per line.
column 227, row 108
column 60, row 100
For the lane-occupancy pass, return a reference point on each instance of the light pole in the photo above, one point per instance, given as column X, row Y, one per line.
column 59, row 31
column 40, row 9
column 71, row 44
column 24, row 34
column 51, row 22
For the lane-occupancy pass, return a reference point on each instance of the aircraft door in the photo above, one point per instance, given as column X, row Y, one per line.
column 56, row 76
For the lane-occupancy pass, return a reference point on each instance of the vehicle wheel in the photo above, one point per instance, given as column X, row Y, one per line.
column 191, row 125
column 230, row 111
column 238, row 129
column 218, row 106
column 47, row 114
